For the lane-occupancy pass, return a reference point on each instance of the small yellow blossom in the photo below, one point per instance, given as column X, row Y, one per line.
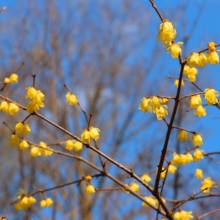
column 211, row 46
column 211, row 96
column 195, row 101
column 191, row 73
column 152, row 201
column 45, row 150
column 6, row 80
column 22, row 129
column 25, row 202
column 183, row 215
column 74, row 145
column 35, row 151
column 193, row 60
column 88, row 178
column 144, row 105
column 202, row 60
column 23, row 145
column 176, row 83
column 198, row 173
column 85, row 136
column 183, row 136
column 14, row 140
column 161, row 112
column 12, row 109
column 207, row 183
column 13, row 78
column 154, row 103
column 134, row 187
column 164, row 101
column 163, row 172
column 166, row 32
column 33, row 106
column 4, row 106
column 71, row 98
column 175, row 49
column 200, row 111
column 46, row 202
column 212, row 57
column 90, row 189
column 196, row 140
column 198, row 155
column 172, row 169
column 94, row 133
column 146, row 178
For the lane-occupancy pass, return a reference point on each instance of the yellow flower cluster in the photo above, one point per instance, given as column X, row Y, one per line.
column 154, row 105
column 201, row 59
column 9, row 108
column 13, row 78
column 22, row 129
column 181, row 159
column 74, row 145
column 36, row 97
column 46, row 202
column 207, row 183
column 25, row 203
column 90, row 189
column 211, row 96
column 182, row 215
column 200, row 111
column 14, row 140
column 24, row 145
column 190, row 72
column 195, row 101
column 196, row 138
column 91, row 133
column 71, row 98
column 44, row 151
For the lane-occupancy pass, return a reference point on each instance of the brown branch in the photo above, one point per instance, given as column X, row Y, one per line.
column 156, row 9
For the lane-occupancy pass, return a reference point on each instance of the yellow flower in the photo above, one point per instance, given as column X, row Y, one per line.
column 200, row 111
column 211, row 46
column 196, row 140
column 34, row 106
column 24, row 145
column 144, row 105
column 6, row 80
column 181, row 159
column 172, row 169
column 134, row 187
column 26, row 202
column 161, row 112
column 198, row 155
column 22, row 129
column 190, row 72
column 72, row 144
column 46, row 202
column 207, row 183
column 175, row 49
column 4, row 106
column 14, row 140
column 163, row 172
column 45, row 150
column 164, row 101
column 90, row 189
column 35, row 151
column 166, row 32
column 146, row 178
column 195, row 101
column 183, row 136
column 211, row 96
column 198, row 173
column 176, row 83
column 88, row 178
column 71, row 98
column 212, row 57
column 202, row 60
column 85, row 136
column 182, row 215
column 193, row 60
column 12, row 109
column 152, row 201
column 154, row 103
column 94, row 133
column 13, row 78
